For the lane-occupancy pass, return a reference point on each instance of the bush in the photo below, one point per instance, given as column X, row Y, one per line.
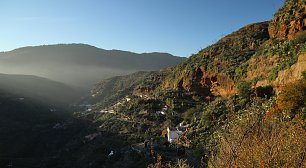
column 161, row 164
column 213, row 112
column 292, row 98
column 264, row 92
column 244, row 90
column 238, row 71
column 274, row 73
column 300, row 37
column 304, row 74
column 187, row 116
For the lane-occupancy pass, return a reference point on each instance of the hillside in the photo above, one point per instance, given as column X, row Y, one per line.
column 243, row 99
column 256, row 52
column 214, row 70
column 37, row 132
column 108, row 91
column 34, row 134
column 40, row 89
column 80, row 65
column 240, row 102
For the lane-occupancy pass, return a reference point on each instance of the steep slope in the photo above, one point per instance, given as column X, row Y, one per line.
column 244, row 119
column 214, row 70
column 79, row 64
column 255, row 53
column 289, row 20
column 108, row 91
column 39, row 89
column 252, row 54
column 243, row 99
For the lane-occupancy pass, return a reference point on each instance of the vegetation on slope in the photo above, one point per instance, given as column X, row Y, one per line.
column 238, row 114
column 225, row 59
column 109, row 91
column 233, row 121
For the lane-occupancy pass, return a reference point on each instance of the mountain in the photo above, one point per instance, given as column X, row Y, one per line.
column 242, row 102
column 243, row 99
column 261, row 53
column 266, row 54
column 80, row 65
column 40, row 89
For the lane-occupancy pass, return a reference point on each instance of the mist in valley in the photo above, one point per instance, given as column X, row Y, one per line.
column 41, row 89
column 80, row 65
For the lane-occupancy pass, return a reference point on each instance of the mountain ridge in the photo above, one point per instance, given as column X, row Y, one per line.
column 88, row 45
column 79, row 64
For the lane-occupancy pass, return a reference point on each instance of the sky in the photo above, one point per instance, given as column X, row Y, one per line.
column 178, row 27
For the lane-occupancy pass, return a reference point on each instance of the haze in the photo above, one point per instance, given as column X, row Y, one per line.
column 80, row 65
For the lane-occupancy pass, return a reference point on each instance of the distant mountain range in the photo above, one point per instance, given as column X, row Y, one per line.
column 248, row 88
column 39, row 89
column 79, row 64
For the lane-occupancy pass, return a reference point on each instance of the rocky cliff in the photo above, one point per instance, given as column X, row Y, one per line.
column 263, row 53
column 292, row 74
column 214, row 70
column 289, row 20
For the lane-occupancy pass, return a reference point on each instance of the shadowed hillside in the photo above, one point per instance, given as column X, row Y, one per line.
column 40, row 89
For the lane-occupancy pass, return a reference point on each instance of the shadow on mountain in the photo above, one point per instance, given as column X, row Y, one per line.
column 36, row 135
column 40, row 89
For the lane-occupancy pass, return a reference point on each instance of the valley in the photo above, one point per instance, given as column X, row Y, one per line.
column 240, row 102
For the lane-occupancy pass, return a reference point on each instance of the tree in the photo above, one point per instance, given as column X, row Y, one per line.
column 244, row 91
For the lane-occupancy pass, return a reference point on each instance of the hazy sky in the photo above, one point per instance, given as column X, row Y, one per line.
column 180, row 27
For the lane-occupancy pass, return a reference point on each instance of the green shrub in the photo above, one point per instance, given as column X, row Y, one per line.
column 213, row 112
column 300, row 37
column 187, row 116
column 244, row 90
column 264, row 92
column 239, row 72
column 304, row 74
column 274, row 73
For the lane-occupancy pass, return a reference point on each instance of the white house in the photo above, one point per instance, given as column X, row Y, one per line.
column 173, row 134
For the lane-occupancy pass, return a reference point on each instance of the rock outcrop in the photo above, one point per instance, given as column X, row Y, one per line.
column 292, row 74
column 211, row 72
column 289, row 20
column 217, row 69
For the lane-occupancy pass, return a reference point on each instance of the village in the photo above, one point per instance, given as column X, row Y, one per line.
column 155, row 133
